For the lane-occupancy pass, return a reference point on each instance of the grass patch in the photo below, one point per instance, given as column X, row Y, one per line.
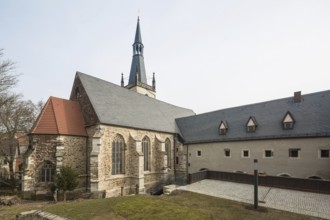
column 179, row 205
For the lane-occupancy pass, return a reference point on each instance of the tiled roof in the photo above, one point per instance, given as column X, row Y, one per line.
column 312, row 119
column 60, row 116
column 116, row 105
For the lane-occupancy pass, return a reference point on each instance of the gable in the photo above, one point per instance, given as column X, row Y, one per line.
column 288, row 118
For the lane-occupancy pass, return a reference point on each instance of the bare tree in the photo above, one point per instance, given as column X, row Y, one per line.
column 7, row 78
column 16, row 115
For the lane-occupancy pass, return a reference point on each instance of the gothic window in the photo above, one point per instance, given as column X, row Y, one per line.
column 168, row 151
column 118, row 155
column 145, row 150
column 77, row 93
column 47, row 172
column 223, row 128
column 251, row 125
column 288, row 121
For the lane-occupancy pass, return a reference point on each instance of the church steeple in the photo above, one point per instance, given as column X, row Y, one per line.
column 138, row 60
column 138, row 77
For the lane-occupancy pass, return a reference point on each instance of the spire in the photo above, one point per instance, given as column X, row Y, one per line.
column 138, row 60
column 122, row 80
column 153, row 81
column 138, row 38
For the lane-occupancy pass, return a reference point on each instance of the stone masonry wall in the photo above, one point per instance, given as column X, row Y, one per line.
column 128, row 182
column 60, row 151
column 44, row 149
column 79, row 94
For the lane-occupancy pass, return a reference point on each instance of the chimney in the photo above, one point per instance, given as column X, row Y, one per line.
column 297, row 97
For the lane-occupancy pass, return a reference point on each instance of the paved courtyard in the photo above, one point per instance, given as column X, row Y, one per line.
column 312, row 204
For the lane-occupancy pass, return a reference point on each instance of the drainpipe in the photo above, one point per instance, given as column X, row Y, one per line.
column 187, row 163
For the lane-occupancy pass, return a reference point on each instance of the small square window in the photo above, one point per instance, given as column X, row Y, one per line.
column 246, row 153
column 294, row 153
column 325, row 153
column 227, row 153
column 251, row 128
column 223, row 131
column 268, row 153
column 199, row 153
column 288, row 125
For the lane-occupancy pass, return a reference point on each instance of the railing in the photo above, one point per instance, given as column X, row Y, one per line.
column 309, row 185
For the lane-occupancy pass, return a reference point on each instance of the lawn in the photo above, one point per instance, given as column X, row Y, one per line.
column 179, row 205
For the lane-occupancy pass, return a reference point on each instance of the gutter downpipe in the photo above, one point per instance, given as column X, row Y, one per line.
column 187, row 163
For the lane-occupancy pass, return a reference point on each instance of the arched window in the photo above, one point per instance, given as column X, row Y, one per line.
column 47, row 172
column 118, row 155
column 145, row 150
column 77, row 93
column 168, row 151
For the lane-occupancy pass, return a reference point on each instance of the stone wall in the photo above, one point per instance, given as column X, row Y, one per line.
column 60, row 151
column 134, row 179
column 79, row 95
column 43, row 149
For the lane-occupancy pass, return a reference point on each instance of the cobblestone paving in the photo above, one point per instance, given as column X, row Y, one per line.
column 306, row 203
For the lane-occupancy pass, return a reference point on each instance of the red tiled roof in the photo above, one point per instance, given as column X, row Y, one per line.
column 60, row 116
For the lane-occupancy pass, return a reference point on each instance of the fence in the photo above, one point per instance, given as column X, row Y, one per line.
column 308, row 185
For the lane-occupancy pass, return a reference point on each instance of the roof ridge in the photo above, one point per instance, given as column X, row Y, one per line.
column 133, row 92
column 260, row 103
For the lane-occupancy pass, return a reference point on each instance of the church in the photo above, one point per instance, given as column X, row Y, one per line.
column 122, row 140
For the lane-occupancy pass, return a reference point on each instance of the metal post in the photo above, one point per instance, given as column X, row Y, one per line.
column 255, row 183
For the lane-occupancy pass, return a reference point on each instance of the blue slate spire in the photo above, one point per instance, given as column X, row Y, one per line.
column 137, row 67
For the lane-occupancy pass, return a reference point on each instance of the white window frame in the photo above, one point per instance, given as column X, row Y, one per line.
column 298, row 150
column 248, row 153
column 272, row 153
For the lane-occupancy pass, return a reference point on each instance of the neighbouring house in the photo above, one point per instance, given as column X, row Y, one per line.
column 289, row 137
column 122, row 140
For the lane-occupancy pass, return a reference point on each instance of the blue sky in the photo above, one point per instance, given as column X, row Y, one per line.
column 207, row 55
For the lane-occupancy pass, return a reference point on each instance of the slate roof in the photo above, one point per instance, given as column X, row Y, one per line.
column 116, row 105
column 60, row 116
column 312, row 119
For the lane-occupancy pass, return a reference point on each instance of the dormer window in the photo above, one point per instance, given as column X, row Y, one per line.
column 288, row 121
column 223, row 128
column 251, row 125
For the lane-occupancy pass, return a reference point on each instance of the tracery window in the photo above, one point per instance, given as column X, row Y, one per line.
column 168, row 152
column 145, row 150
column 118, row 155
column 47, row 172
